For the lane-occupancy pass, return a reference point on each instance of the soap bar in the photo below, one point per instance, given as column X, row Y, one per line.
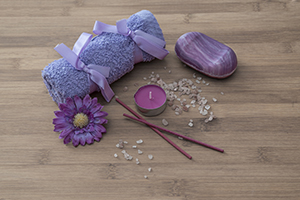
column 206, row 55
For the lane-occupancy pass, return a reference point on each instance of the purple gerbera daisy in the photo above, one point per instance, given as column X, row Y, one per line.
column 80, row 121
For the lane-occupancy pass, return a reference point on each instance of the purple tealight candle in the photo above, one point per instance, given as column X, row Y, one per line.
column 150, row 100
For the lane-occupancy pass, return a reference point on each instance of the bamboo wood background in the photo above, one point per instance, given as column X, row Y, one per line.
column 257, row 120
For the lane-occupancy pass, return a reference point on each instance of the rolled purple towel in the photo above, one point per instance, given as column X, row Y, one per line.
column 117, row 51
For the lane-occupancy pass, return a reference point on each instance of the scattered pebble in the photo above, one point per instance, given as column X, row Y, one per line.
column 134, row 147
column 146, row 177
column 140, row 152
column 210, row 118
column 165, row 122
column 222, row 93
column 207, row 107
column 149, row 169
column 126, row 155
column 137, row 161
column 214, row 99
column 180, row 138
column 125, row 89
column 150, row 156
column 115, row 155
column 140, row 141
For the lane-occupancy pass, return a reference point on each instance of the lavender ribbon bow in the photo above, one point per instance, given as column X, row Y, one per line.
column 96, row 73
column 148, row 43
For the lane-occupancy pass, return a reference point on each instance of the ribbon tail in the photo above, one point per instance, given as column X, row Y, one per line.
column 100, row 27
column 82, row 42
column 102, row 83
column 151, row 38
column 151, row 48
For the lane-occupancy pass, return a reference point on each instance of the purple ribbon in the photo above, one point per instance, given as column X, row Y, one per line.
column 146, row 42
column 96, row 73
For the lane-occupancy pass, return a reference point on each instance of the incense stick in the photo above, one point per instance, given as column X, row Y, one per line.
column 157, row 131
column 174, row 133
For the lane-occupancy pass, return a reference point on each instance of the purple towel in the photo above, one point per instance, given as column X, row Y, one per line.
column 114, row 50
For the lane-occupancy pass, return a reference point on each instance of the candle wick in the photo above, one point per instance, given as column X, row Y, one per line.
column 150, row 95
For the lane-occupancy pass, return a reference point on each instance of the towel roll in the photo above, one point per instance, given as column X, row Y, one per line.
column 116, row 51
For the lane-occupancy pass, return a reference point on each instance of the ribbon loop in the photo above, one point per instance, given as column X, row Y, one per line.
column 96, row 73
column 146, row 42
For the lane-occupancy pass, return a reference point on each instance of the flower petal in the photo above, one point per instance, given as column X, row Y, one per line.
column 59, row 113
column 100, row 121
column 59, row 120
column 60, row 127
column 68, row 111
column 93, row 103
column 97, row 134
column 100, row 114
column 78, row 102
column 70, row 103
column 87, row 101
column 75, row 141
column 68, row 138
column 96, row 108
column 65, row 132
column 89, row 138
column 82, row 140
column 99, row 128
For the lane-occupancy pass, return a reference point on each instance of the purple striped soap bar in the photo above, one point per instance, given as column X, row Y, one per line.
column 206, row 55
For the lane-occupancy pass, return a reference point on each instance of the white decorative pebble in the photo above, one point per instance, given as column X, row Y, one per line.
column 204, row 112
column 140, row 141
column 137, row 161
column 140, row 152
column 115, row 155
column 180, row 138
column 214, row 99
column 125, row 142
column 150, row 156
column 165, row 122
column 222, row 93
column 146, row 177
column 134, row 147
column 207, row 107
column 190, row 124
column 149, row 169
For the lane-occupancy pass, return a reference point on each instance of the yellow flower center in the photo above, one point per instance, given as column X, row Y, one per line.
column 80, row 120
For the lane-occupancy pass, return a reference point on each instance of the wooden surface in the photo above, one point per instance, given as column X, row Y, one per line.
column 257, row 117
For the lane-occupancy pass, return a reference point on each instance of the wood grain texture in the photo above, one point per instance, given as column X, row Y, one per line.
column 257, row 120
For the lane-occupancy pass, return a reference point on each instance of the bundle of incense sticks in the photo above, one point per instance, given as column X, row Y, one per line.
column 155, row 128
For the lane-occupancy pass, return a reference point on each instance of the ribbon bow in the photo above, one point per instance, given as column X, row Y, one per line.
column 148, row 43
column 96, row 73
